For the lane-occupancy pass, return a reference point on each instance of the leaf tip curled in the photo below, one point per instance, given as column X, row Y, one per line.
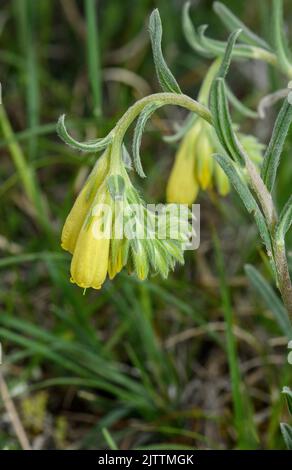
column 202, row 29
column 60, row 126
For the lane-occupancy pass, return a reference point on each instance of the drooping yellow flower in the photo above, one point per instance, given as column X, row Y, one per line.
column 195, row 168
column 82, row 204
column 117, row 257
column 203, row 162
column 182, row 187
column 109, row 202
column 222, row 183
column 89, row 264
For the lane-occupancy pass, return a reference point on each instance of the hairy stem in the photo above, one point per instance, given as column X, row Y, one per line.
column 263, row 195
column 164, row 98
column 279, row 252
column 284, row 280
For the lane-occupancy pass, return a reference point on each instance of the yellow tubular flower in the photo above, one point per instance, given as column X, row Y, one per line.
column 204, row 160
column 90, row 258
column 182, row 187
column 82, row 204
column 195, row 167
column 222, row 182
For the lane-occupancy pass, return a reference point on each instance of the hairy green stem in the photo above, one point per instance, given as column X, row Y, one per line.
column 279, row 251
column 165, row 99
column 278, row 36
column 260, row 189
column 284, row 279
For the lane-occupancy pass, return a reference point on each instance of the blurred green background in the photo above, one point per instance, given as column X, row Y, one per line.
column 135, row 365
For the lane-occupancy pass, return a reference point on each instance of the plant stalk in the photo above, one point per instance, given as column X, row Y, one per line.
column 166, row 99
column 279, row 251
column 284, row 279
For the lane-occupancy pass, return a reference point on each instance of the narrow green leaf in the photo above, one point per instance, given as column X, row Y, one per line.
column 275, row 147
column 139, row 129
column 239, row 106
column 219, row 107
column 29, row 45
column 273, row 303
column 284, row 223
column 228, row 54
column 243, row 421
column 278, row 37
column 90, row 146
column 232, row 22
column 93, row 59
column 286, row 431
column 217, row 48
column 190, row 32
column 288, row 394
column 246, row 196
column 109, row 440
column 222, row 121
column 165, row 77
column 213, row 48
column 32, row 257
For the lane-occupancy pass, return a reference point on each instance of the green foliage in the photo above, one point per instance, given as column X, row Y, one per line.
column 274, row 150
column 271, row 300
column 165, row 77
column 139, row 129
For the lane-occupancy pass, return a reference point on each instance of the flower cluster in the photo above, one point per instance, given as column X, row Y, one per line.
column 110, row 227
column 195, row 168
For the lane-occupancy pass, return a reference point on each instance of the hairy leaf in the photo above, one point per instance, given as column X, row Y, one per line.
column 246, row 196
column 165, row 77
column 90, row 146
column 139, row 129
column 278, row 37
column 288, row 394
column 287, row 435
column 232, row 22
column 275, row 147
column 285, row 221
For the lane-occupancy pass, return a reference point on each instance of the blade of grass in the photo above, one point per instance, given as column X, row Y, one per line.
column 93, row 58
column 31, row 257
column 243, row 425
column 109, row 440
column 27, row 175
column 26, row 12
